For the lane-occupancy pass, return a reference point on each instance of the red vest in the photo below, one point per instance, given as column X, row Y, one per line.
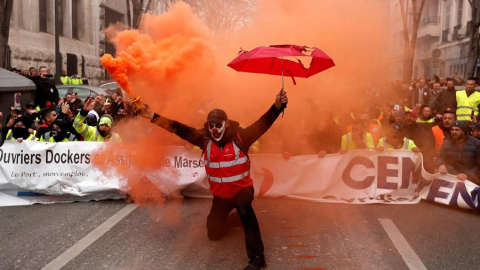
column 228, row 170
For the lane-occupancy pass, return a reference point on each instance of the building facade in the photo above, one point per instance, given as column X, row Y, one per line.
column 82, row 42
column 442, row 39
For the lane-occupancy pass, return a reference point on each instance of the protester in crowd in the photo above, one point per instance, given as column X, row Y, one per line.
column 19, row 131
column 443, row 82
column 423, row 138
column 32, row 71
column 420, row 95
column 446, row 99
column 468, row 102
column 434, row 93
column 46, row 90
column 10, row 119
column 358, row 138
column 326, row 135
column 224, row 142
column 61, row 132
column 92, row 118
column 32, row 115
column 396, row 139
column 475, row 130
column 460, row 155
column 441, row 131
column 121, row 113
column 425, row 115
column 47, row 117
column 371, row 122
column 64, row 77
column 103, row 130
column 75, row 79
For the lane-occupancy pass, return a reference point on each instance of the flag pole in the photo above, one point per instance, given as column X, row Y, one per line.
column 283, row 105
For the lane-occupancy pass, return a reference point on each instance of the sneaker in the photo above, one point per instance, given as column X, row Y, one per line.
column 256, row 263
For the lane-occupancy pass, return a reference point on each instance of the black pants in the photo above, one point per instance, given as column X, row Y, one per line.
column 218, row 226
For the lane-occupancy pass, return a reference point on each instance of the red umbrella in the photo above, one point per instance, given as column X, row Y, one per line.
column 270, row 60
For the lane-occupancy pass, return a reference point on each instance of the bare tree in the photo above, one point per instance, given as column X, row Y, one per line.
column 410, row 39
column 474, row 47
column 139, row 7
column 6, row 10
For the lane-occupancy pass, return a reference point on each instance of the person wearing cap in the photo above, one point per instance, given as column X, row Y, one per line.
column 100, row 133
column 460, row 155
column 475, row 130
column 396, row 139
column 225, row 145
column 19, row 131
column 92, row 118
column 61, row 132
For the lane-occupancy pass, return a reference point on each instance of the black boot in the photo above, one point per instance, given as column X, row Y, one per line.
column 256, row 263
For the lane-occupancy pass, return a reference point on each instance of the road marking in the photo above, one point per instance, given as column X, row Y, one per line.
column 85, row 242
column 408, row 255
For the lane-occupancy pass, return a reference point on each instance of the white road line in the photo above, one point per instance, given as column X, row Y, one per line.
column 81, row 245
column 409, row 256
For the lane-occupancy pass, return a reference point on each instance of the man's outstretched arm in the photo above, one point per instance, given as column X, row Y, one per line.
column 192, row 135
column 253, row 132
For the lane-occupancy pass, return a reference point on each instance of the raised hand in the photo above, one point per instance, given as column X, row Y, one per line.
column 281, row 99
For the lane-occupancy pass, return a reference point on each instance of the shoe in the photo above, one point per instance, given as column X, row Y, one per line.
column 256, row 263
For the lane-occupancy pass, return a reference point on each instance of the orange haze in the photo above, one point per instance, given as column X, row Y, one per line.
column 177, row 66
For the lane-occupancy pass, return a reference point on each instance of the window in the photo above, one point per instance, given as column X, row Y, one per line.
column 446, row 24
column 60, row 18
column 42, row 5
column 460, row 12
column 75, row 18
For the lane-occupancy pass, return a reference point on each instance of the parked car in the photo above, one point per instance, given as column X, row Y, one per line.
column 83, row 91
column 111, row 87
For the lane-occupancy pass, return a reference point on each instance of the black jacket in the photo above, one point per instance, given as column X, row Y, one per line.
column 201, row 137
column 46, row 91
column 464, row 158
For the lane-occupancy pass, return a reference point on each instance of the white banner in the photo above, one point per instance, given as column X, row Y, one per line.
column 40, row 172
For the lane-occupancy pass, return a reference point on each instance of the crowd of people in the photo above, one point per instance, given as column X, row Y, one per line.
column 437, row 117
column 52, row 118
column 429, row 116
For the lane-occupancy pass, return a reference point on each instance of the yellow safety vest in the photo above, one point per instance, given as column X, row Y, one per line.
column 431, row 120
column 47, row 137
column 90, row 133
column 76, row 81
column 348, row 144
column 467, row 104
column 407, row 144
column 64, row 79
column 32, row 137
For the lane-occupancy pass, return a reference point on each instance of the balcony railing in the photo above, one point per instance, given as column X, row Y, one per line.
column 430, row 20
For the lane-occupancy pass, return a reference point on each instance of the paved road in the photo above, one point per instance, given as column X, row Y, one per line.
column 297, row 235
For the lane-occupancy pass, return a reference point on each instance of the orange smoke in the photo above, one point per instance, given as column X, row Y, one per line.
column 174, row 64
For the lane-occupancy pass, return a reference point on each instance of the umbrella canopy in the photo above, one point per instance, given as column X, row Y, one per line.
column 270, row 60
